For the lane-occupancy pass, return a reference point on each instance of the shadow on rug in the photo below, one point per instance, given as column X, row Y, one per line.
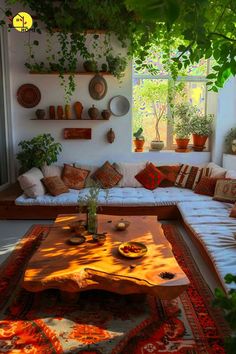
column 103, row 322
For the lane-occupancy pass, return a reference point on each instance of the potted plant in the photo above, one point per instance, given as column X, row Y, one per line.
column 230, row 142
column 139, row 140
column 228, row 304
column 201, row 128
column 116, row 65
column 182, row 113
column 38, row 151
column 152, row 95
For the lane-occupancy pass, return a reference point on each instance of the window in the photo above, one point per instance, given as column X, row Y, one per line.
column 150, row 104
column 4, row 165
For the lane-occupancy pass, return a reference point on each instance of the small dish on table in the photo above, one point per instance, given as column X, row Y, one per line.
column 132, row 249
column 122, row 225
column 76, row 239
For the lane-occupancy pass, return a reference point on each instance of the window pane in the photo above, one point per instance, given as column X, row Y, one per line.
column 150, row 108
column 195, row 93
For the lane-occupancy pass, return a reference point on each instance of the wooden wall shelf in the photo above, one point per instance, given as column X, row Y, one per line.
column 76, row 73
column 69, row 120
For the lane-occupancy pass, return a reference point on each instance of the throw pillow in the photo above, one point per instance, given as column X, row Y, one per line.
column 74, row 177
column 91, row 168
column 230, row 174
column 170, row 172
column 216, row 171
column 55, row 185
column 129, row 171
column 107, row 176
column 150, row 177
column 233, row 212
column 52, row 170
column 225, row 191
column 31, row 184
column 206, row 186
column 189, row 176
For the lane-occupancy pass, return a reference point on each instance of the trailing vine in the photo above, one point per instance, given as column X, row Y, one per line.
column 195, row 29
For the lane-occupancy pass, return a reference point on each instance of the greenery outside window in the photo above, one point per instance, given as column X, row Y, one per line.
column 150, row 100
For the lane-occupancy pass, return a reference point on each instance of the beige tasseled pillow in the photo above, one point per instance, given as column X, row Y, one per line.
column 129, row 171
column 31, row 184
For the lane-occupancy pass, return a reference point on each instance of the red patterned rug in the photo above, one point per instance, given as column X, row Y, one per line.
column 103, row 322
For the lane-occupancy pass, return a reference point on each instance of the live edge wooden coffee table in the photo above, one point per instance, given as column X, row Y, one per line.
column 75, row 268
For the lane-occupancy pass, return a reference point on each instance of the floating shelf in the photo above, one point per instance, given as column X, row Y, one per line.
column 68, row 73
column 68, row 120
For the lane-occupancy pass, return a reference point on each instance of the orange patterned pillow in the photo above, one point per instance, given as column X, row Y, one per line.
column 206, row 186
column 171, row 173
column 74, row 177
column 150, row 177
column 107, row 176
column 233, row 212
column 55, row 185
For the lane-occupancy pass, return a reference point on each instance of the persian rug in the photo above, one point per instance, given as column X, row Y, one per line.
column 103, row 322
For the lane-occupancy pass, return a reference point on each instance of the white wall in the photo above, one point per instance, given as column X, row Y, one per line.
column 225, row 119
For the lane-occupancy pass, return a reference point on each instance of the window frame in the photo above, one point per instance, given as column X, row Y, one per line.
column 187, row 78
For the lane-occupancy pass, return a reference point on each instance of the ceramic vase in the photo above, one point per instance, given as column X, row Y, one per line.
column 93, row 112
column 110, row 136
column 106, row 114
column 67, row 111
column 40, row 113
column 52, row 112
column 78, row 109
column 59, row 112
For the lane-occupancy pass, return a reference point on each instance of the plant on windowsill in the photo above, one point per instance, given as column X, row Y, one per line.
column 182, row 115
column 228, row 303
column 230, row 141
column 139, row 140
column 40, row 150
column 201, row 129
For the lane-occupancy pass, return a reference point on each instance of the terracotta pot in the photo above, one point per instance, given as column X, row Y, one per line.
column 93, row 112
column 52, row 112
column 78, row 109
column 199, row 140
column 182, row 143
column 67, row 111
column 138, row 145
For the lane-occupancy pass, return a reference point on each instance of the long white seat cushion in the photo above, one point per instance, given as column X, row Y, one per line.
column 212, row 226
column 117, row 196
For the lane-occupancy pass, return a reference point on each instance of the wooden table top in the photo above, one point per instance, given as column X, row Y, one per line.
column 73, row 268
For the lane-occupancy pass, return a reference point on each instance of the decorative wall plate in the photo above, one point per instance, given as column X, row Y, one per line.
column 119, row 105
column 28, row 95
column 98, row 87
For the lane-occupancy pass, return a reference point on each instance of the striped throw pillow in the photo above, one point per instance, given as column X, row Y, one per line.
column 189, row 176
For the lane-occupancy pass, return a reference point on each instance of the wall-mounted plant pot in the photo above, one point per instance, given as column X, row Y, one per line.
column 139, row 145
column 90, row 65
column 182, row 145
column 157, row 145
column 199, row 142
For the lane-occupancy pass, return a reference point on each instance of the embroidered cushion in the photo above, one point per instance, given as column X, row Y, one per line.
column 107, row 175
column 189, row 176
column 92, row 168
column 170, row 173
column 74, row 177
column 55, row 185
column 31, row 184
column 225, row 191
column 233, row 212
column 150, row 177
column 206, row 186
